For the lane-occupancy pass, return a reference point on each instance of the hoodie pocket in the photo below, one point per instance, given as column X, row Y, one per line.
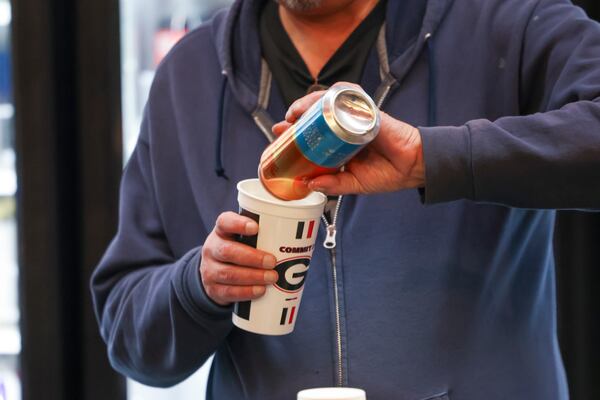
column 441, row 396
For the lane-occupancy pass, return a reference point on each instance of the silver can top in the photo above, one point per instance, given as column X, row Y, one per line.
column 351, row 114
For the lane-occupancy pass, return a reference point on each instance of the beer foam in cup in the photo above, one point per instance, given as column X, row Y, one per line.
column 334, row 393
column 288, row 230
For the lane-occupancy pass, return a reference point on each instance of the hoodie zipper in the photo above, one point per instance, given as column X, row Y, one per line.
column 388, row 82
column 330, row 244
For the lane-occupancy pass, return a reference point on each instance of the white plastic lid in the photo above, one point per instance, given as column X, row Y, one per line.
column 332, row 393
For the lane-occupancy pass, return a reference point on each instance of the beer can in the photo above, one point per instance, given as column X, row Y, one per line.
column 326, row 137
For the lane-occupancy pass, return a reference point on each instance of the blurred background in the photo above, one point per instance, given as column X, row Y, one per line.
column 74, row 78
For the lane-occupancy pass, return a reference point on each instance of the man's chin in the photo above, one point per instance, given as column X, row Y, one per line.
column 301, row 5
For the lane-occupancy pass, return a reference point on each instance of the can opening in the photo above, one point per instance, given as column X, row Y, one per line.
column 353, row 112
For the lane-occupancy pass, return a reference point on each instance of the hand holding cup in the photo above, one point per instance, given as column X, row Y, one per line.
column 232, row 271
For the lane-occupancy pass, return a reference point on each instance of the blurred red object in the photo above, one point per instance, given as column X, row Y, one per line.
column 164, row 40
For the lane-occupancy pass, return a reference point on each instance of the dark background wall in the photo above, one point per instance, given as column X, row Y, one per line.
column 592, row 7
column 68, row 123
column 68, row 140
column 577, row 252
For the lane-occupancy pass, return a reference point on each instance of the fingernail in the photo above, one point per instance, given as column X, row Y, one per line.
column 251, row 228
column 269, row 261
column 289, row 114
column 314, row 187
column 258, row 290
column 271, row 276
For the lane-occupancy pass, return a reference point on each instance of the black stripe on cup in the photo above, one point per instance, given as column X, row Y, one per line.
column 283, row 316
column 284, row 320
column 299, row 230
column 242, row 309
column 249, row 240
column 300, row 234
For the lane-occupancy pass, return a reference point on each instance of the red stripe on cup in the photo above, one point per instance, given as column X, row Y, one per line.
column 311, row 226
column 292, row 315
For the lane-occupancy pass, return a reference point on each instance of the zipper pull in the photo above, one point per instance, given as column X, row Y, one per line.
column 329, row 242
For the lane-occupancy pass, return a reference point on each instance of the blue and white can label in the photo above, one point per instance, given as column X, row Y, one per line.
column 319, row 144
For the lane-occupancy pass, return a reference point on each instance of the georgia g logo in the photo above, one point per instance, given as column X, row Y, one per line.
column 292, row 274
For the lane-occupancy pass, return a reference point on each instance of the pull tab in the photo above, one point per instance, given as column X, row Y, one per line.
column 329, row 242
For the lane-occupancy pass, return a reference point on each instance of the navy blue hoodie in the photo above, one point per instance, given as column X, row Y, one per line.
column 446, row 296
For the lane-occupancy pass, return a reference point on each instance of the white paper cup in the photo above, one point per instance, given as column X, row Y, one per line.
column 334, row 393
column 288, row 230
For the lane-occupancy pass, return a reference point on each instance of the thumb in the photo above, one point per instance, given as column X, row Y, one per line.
column 336, row 184
column 393, row 132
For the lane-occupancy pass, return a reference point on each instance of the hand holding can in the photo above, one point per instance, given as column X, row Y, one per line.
column 329, row 134
column 392, row 161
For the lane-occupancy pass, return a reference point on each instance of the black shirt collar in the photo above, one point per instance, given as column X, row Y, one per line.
column 289, row 70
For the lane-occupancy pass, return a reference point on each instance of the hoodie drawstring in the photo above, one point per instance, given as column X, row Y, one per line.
column 432, row 116
column 219, row 170
column 381, row 95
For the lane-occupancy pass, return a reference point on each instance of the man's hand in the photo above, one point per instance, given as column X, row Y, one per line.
column 232, row 271
column 393, row 161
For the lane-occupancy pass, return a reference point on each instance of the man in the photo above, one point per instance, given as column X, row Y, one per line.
column 444, row 290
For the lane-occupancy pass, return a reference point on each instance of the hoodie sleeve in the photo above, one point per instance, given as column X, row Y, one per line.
column 550, row 156
column 157, row 322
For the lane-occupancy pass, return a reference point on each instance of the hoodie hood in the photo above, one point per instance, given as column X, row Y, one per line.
column 235, row 33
